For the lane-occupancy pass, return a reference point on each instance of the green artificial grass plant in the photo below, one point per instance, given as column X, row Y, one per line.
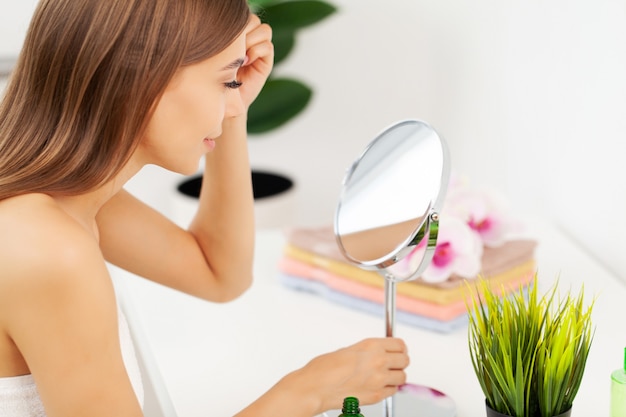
column 529, row 352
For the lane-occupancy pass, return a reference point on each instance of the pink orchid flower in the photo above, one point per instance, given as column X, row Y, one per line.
column 458, row 252
column 484, row 211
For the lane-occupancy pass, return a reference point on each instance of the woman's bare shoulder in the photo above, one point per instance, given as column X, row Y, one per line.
column 58, row 309
column 38, row 237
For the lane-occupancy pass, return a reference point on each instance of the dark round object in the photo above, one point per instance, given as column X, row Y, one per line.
column 493, row 413
column 264, row 184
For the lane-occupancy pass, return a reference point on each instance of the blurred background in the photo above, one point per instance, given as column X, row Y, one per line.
column 529, row 95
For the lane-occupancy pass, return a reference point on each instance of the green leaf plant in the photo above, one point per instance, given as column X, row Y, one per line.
column 281, row 99
column 529, row 352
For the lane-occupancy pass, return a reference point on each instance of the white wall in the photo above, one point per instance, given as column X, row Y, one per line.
column 14, row 18
column 530, row 96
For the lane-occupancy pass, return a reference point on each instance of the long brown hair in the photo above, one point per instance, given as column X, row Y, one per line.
column 87, row 79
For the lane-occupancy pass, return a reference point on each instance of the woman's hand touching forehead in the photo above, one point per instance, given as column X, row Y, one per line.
column 258, row 61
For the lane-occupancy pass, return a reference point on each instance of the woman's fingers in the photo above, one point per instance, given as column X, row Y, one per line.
column 393, row 344
column 259, row 59
column 389, row 344
column 257, row 32
column 396, row 378
column 398, row 360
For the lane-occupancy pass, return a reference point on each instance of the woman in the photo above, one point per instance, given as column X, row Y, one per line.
column 100, row 90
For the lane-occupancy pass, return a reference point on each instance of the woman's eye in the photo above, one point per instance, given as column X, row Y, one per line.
column 233, row 84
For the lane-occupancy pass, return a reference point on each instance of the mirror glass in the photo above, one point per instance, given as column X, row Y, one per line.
column 389, row 193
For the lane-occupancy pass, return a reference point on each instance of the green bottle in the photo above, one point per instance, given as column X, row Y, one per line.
column 618, row 391
column 350, row 408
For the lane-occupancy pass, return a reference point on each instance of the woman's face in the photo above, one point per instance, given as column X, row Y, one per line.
column 188, row 117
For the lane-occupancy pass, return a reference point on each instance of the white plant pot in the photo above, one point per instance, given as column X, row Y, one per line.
column 274, row 202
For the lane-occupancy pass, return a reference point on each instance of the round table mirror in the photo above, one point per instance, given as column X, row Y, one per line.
column 389, row 208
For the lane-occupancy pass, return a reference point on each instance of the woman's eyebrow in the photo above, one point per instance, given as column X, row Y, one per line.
column 234, row 65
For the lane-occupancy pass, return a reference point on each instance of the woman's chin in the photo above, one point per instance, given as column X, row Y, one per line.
column 191, row 168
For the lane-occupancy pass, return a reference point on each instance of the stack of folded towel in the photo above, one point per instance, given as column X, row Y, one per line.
column 312, row 262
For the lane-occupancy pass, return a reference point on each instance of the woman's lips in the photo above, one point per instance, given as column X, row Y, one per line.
column 209, row 143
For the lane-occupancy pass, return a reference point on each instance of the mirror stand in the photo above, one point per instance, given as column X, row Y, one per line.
column 432, row 226
column 390, row 321
column 390, row 305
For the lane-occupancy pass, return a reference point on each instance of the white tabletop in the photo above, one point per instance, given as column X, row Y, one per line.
column 216, row 358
